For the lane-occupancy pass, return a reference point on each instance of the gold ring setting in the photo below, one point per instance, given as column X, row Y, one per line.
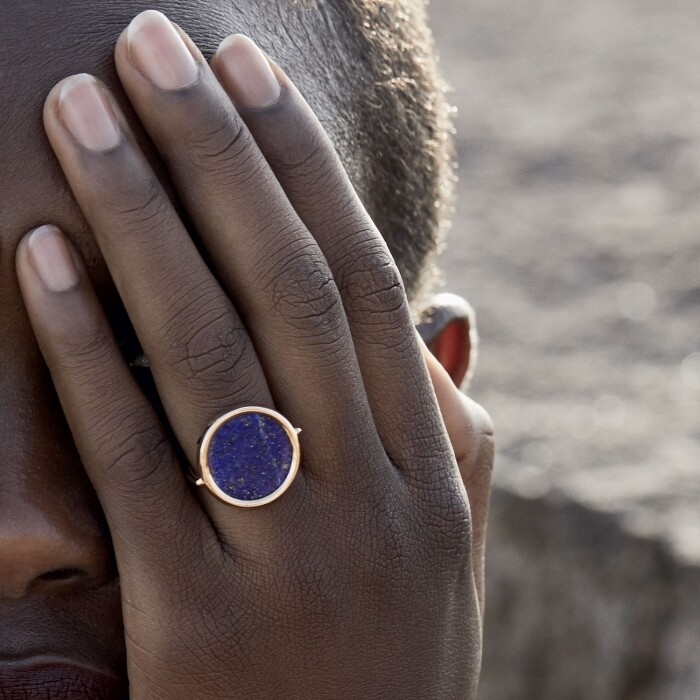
column 249, row 456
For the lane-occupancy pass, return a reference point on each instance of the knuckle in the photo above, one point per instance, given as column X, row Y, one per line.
column 302, row 292
column 138, row 205
column 85, row 346
column 225, row 150
column 302, row 158
column 140, row 455
column 208, row 348
column 374, row 291
column 451, row 520
column 374, row 281
column 444, row 503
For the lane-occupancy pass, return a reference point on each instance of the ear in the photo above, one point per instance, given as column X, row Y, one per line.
column 448, row 327
column 452, row 348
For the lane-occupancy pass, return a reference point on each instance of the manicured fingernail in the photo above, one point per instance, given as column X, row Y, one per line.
column 87, row 114
column 159, row 52
column 51, row 259
column 247, row 73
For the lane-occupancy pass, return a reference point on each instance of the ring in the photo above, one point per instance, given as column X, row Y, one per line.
column 249, row 457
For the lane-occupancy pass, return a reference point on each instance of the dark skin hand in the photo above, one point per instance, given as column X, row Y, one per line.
column 365, row 578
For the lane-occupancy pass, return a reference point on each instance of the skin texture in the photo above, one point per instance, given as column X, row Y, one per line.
column 215, row 598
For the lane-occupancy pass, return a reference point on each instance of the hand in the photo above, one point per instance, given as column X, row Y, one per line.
column 361, row 580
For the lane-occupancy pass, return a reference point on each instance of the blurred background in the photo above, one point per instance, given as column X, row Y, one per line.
column 577, row 240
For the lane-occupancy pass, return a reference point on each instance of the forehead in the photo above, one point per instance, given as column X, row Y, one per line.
column 43, row 42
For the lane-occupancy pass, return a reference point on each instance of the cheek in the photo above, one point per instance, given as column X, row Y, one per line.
column 45, row 494
column 43, row 480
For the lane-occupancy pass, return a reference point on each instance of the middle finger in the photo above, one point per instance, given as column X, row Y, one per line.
column 266, row 258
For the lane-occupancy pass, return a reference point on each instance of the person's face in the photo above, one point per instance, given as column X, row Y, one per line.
column 59, row 596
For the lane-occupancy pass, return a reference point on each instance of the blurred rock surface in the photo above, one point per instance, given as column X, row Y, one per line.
column 577, row 240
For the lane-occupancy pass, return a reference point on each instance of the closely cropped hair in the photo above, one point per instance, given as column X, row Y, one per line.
column 405, row 118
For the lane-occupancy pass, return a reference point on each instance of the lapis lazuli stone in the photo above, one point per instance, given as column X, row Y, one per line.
column 250, row 456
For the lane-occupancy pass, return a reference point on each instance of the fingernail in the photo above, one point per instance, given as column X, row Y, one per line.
column 51, row 259
column 87, row 114
column 247, row 73
column 159, row 52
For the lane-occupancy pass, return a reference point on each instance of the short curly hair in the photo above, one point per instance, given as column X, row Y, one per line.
column 367, row 67
column 405, row 119
column 376, row 64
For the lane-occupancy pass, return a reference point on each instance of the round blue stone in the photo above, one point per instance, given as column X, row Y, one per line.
column 250, row 456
